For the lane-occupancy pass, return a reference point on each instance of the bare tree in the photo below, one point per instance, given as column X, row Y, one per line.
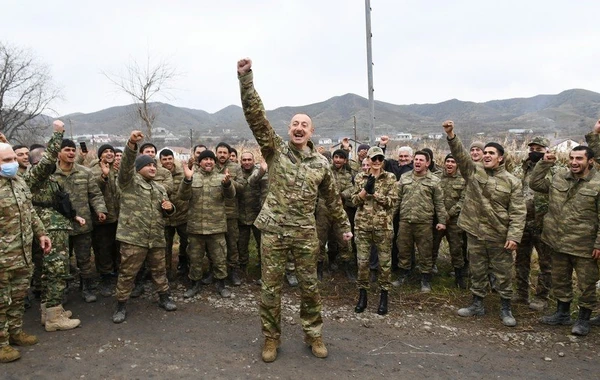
column 144, row 82
column 26, row 90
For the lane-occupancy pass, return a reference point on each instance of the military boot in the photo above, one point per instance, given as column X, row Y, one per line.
column 208, row 278
column 506, row 313
column 317, row 346
column 459, row 280
column 426, row 283
column 222, row 290
column 269, row 352
column 56, row 319
column 383, row 303
column 349, row 270
column 291, row 279
column 582, row 324
column 27, row 301
column 166, row 302
column 86, row 290
column 23, row 339
column 476, row 308
column 361, row 305
column 106, row 285
column 320, row 271
column 138, row 289
column 120, row 314
column 402, row 278
column 193, row 290
column 8, row 354
column 234, row 277
column 595, row 321
column 561, row 317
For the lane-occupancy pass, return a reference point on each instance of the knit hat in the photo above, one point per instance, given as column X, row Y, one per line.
column 206, row 154
column 342, row 153
column 146, row 145
column 363, row 146
column 143, row 160
column 449, row 155
column 477, row 144
column 104, row 147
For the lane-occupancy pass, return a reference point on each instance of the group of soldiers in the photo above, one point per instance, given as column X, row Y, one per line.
column 375, row 214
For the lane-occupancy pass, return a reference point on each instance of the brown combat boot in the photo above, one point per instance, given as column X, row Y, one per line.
column 23, row 339
column 67, row 313
column 317, row 346
column 269, row 352
column 56, row 319
column 8, row 354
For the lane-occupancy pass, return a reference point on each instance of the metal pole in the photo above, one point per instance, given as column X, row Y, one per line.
column 355, row 139
column 370, row 73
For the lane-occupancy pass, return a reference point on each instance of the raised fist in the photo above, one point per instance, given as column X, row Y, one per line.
column 244, row 65
column 449, row 127
column 58, row 126
column 135, row 137
column 384, row 140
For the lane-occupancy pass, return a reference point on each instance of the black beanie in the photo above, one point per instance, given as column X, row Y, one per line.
column 66, row 143
column 497, row 146
column 104, row 147
column 143, row 160
column 449, row 155
column 342, row 153
column 363, row 147
column 205, row 154
column 145, row 145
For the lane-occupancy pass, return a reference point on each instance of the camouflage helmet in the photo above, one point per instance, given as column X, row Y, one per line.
column 541, row 141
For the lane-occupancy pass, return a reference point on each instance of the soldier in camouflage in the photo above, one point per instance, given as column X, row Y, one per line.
column 493, row 216
column 297, row 174
column 375, row 196
column 20, row 224
column 141, row 230
column 571, row 230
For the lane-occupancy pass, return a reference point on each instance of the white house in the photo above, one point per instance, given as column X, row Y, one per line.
column 403, row 136
column 564, row 146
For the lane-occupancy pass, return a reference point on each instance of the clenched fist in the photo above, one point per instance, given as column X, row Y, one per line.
column 244, row 65
column 58, row 126
column 449, row 128
column 135, row 137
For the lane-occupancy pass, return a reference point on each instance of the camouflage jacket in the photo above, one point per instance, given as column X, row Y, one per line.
column 344, row 178
column 181, row 214
column 420, row 199
column 142, row 218
column 571, row 224
column 44, row 188
column 238, row 181
column 19, row 223
column 164, row 178
column 206, row 195
column 262, row 180
column 493, row 208
column 295, row 177
column 593, row 141
column 376, row 211
column 110, row 191
column 536, row 202
column 453, row 187
column 83, row 189
column 249, row 199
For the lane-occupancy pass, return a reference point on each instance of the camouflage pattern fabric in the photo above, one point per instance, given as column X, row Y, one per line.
column 132, row 258
column 163, row 177
column 110, row 192
column 181, row 207
column 490, row 256
column 532, row 238
column 13, row 290
column 593, row 141
column 420, row 199
column 586, row 268
column 82, row 246
column 55, row 268
column 382, row 241
column 326, row 229
column 244, row 240
column 237, row 180
column 170, row 231
column 421, row 235
column 454, row 236
column 232, row 238
column 216, row 247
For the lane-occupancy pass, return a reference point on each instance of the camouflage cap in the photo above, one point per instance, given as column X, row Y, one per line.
column 541, row 141
column 375, row 151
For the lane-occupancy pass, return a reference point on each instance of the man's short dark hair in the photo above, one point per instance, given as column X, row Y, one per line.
column 498, row 147
column 67, row 143
column 223, row 145
column 429, row 153
column 147, row 145
column 19, row 147
column 35, row 146
column 199, row 146
column 422, row 153
column 589, row 153
column 166, row 152
column 233, row 150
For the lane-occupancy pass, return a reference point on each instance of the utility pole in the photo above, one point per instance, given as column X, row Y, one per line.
column 355, row 146
column 370, row 73
column 191, row 138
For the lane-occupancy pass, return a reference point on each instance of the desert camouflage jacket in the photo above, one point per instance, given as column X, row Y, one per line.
column 376, row 211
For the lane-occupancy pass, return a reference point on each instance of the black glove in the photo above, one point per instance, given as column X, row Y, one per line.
column 370, row 185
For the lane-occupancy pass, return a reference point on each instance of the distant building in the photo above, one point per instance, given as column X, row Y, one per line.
column 564, row 146
column 403, row 137
column 435, row 136
column 325, row 141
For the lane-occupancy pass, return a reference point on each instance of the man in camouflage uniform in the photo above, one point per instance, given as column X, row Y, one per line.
column 141, row 229
column 163, row 176
column 104, row 235
column 19, row 223
column 571, row 229
column 81, row 185
column 420, row 199
column 56, row 215
column 537, row 206
column 493, row 216
column 375, row 196
column 298, row 173
column 453, row 186
column 22, row 153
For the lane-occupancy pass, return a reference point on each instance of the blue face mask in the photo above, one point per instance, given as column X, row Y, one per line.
column 9, row 170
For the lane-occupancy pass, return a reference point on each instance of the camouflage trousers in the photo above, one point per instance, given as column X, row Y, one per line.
column 327, row 230
column 55, row 268
column 170, row 231
column 82, row 245
column 420, row 234
column 232, row 237
column 454, row 236
column 531, row 239
column 13, row 290
column 132, row 258
column 382, row 240
column 586, row 269
column 490, row 257
column 106, row 248
column 245, row 231
column 303, row 245
column 198, row 245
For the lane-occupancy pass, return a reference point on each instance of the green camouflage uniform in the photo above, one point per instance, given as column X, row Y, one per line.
column 163, row 177
column 571, row 230
column 453, row 187
column 85, row 194
column 373, row 226
column 420, row 199
column 141, row 228
column 177, row 223
column 206, row 229
column 287, row 218
column 493, row 212
column 19, row 223
column 249, row 204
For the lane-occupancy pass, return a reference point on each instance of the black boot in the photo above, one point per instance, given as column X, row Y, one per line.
column 86, row 292
column 426, row 283
column 506, row 313
column 222, row 290
column 207, row 279
column 459, row 280
column 476, row 308
column 193, row 290
column 383, row 303
column 105, row 285
column 561, row 317
column 138, row 289
column 166, row 302
column 361, row 305
column 349, row 270
column 121, row 313
column 182, row 266
column 320, row 270
column 234, row 277
column 582, row 324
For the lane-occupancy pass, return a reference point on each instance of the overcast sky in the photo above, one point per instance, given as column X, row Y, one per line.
column 306, row 51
